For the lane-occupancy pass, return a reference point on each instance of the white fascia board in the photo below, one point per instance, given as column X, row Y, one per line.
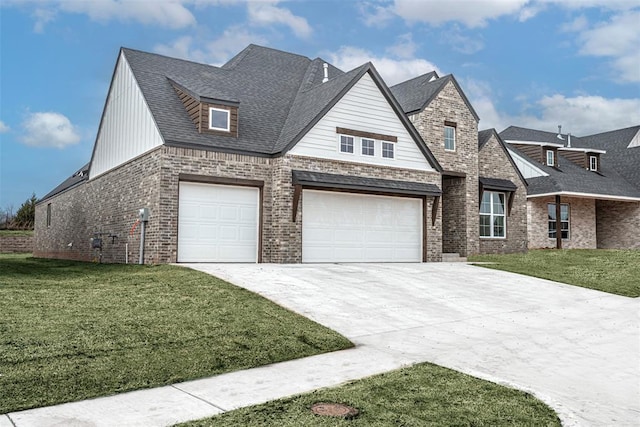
column 585, row 196
column 515, row 141
column 583, row 150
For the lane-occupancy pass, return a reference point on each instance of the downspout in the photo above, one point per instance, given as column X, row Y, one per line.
column 558, row 224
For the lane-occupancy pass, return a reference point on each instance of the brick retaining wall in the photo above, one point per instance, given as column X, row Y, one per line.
column 11, row 244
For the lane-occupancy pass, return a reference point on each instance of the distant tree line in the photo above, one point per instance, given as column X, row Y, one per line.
column 23, row 219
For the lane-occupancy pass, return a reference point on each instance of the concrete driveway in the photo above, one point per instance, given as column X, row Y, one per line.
column 576, row 349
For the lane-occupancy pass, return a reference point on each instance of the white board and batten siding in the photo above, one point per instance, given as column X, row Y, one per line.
column 527, row 169
column 127, row 129
column 364, row 108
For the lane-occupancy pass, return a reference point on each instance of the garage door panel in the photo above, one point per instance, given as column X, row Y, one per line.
column 344, row 227
column 217, row 223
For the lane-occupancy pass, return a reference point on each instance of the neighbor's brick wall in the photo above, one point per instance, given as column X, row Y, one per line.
column 17, row 244
column 290, row 248
column 493, row 163
column 450, row 106
column 618, row 224
column 582, row 223
column 107, row 205
column 213, row 164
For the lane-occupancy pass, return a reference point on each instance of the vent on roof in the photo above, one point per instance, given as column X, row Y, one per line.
column 559, row 136
column 326, row 72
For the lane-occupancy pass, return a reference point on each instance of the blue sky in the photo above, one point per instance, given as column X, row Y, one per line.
column 532, row 63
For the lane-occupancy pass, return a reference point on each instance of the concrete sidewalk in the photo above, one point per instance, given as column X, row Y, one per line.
column 576, row 349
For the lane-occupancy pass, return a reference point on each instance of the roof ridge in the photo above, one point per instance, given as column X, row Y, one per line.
column 202, row 64
column 417, row 77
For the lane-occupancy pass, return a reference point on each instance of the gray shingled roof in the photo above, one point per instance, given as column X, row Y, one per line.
column 327, row 180
column 78, row 177
column 569, row 177
column 280, row 96
column 497, row 184
column 626, row 161
column 414, row 95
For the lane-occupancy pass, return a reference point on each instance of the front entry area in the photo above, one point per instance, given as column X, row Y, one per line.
column 218, row 223
column 349, row 227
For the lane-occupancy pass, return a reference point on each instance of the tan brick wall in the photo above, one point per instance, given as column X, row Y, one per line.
column 493, row 163
column 618, row 224
column 582, row 223
column 17, row 244
column 449, row 105
column 106, row 205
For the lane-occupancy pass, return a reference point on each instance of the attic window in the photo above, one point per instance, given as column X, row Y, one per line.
column 593, row 163
column 551, row 158
column 219, row 119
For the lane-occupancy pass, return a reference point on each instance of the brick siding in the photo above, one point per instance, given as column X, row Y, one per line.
column 582, row 223
column 16, row 244
column 493, row 163
column 460, row 205
column 618, row 224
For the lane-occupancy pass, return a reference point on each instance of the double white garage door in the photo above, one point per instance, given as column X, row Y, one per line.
column 220, row 223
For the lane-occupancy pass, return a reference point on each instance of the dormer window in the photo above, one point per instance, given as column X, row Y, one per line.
column 219, row 119
column 593, row 163
column 551, row 158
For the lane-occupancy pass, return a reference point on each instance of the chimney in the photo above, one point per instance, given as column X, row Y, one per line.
column 326, row 72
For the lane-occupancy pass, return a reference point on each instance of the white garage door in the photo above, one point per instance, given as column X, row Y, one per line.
column 217, row 223
column 345, row 227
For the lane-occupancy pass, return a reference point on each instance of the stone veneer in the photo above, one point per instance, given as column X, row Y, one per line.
column 108, row 205
column 582, row 223
column 459, row 213
column 493, row 163
column 618, row 224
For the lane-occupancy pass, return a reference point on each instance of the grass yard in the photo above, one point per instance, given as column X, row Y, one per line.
column 72, row 330
column 422, row 395
column 613, row 271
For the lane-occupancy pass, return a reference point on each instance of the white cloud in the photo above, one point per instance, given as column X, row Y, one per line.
column 215, row 52
column 580, row 115
column 49, row 129
column 42, row 17
column 266, row 13
column 376, row 15
column 578, row 24
column 405, row 47
column 3, row 127
column 461, row 43
column 392, row 70
column 470, row 13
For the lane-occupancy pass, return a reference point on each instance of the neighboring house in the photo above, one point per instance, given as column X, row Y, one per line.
column 586, row 187
column 275, row 157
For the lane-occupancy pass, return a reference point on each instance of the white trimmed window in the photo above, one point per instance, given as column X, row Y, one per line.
column 368, row 147
column 449, row 138
column 551, row 158
column 492, row 217
column 593, row 163
column 387, row 150
column 346, row 144
column 564, row 220
column 219, row 119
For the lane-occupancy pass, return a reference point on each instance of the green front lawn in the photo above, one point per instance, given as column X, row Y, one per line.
column 613, row 271
column 422, row 395
column 73, row 330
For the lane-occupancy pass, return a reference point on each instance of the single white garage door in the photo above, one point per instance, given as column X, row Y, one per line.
column 217, row 223
column 346, row 227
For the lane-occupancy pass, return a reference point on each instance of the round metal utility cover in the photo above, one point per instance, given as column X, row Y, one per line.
column 334, row 410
